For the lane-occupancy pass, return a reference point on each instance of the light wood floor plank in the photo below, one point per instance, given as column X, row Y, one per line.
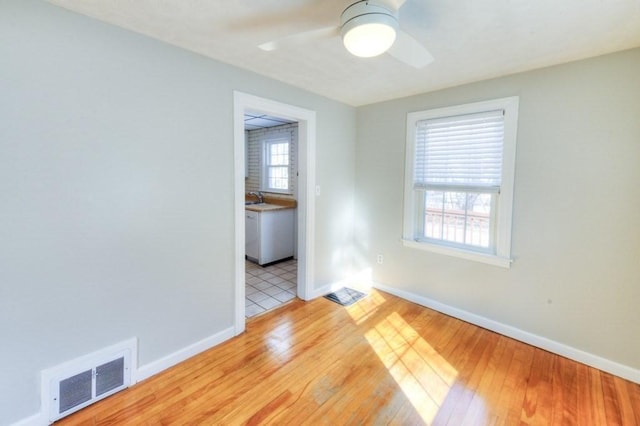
column 537, row 405
column 472, row 364
column 381, row 361
column 611, row 404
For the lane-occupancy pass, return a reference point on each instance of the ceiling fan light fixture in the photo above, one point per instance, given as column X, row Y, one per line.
column 368, row 30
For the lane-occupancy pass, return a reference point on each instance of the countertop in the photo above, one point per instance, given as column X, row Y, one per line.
column 263, row 207
column 270, row 203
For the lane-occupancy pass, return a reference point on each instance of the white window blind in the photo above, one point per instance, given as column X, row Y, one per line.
column 460, row 151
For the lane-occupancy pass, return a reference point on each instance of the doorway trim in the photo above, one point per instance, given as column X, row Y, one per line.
column 306, row 119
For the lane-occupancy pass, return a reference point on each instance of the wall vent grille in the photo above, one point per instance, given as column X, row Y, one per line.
column 74, row 391
column 76, row 384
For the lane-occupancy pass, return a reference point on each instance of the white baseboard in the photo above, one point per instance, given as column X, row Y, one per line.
column 583, row 357
column 155, row 367
column 151, row 369
column 329, row 288
column 36, row 420
column 360, row 282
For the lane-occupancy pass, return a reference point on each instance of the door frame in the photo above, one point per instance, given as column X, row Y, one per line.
column 306, row 119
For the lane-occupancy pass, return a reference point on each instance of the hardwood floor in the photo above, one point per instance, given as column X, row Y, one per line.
column 381, row 361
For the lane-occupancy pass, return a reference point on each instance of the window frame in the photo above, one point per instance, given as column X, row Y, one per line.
column 504, row 200
column 264, row 181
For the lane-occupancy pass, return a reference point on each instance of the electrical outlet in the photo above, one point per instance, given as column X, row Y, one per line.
column 380, row 259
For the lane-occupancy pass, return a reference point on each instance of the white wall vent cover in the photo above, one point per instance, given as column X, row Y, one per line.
column 73, row 385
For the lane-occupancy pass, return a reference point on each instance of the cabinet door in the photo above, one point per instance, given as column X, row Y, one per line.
column 276, row 235
column 252, row 234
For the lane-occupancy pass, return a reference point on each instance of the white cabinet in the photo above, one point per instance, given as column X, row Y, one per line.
column 252, row 240
column 269, row 235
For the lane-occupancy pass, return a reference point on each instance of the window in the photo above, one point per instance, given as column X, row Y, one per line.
column 459, row 180
column 275, row 176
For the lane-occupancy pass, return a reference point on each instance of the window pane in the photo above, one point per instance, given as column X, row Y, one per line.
column 278, row 154
column 478, row 227
column 458, row 217
column 276, row 165
column 454, row 215
column 433, row 214
column 278, row 178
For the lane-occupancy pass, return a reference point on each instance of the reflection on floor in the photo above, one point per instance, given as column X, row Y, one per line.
column 269, row 287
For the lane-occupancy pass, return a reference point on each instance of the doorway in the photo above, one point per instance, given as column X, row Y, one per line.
column 271, row 179
column 306, row 120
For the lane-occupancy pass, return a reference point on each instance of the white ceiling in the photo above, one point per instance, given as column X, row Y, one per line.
column 471, row 40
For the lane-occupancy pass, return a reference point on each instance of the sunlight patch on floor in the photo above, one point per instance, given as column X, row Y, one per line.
column 424, row 376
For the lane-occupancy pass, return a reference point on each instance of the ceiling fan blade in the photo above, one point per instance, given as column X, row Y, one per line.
column 393, row 5
column 408, row 50
column 300, row 38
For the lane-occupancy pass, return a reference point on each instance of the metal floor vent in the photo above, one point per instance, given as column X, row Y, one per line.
column 83, row 381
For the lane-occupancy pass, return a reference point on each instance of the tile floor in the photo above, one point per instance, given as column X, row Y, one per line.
column 269, row 287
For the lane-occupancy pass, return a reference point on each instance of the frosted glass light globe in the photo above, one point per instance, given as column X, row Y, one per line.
column 369, row 40
column 368, row 30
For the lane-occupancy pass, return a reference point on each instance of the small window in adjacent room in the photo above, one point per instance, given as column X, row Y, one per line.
column 459, row 180
column 275, row 176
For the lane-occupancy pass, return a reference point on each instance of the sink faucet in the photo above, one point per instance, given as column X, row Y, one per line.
column 259, row 195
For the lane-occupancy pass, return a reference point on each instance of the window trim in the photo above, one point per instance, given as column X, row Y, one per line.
column 504, row 211
column 275, row 139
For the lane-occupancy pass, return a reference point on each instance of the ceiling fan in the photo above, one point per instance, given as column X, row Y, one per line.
column 368, row 28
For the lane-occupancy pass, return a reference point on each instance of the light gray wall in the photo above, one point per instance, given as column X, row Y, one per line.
column 116, row 186
column 576, row 235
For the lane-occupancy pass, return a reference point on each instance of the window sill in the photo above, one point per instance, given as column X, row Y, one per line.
column 275, row 191
column 460, row 253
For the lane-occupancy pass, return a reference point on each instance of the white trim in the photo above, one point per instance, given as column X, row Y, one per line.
column 239, row 106
column 326, row 289
column 183, row 354
column 306, row 202
column 505, row 205
column 578, row 355
column 504, row 210
column 360, row 281
column 35, row 420
column 306, row 206
column 138, row 374
column 461, row 253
